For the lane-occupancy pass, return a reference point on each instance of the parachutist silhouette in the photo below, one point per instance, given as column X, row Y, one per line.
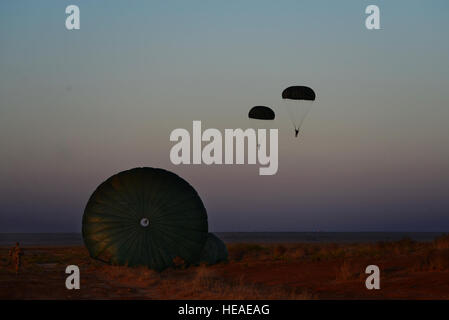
column 301, row 94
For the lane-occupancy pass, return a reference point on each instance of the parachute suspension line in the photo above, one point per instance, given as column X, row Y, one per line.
column 299, row 93
column 305, row 116
column 290, row 115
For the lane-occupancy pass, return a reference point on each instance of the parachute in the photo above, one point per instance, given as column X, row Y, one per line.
column 214, row 250
column 296, row 108
column 298, row 93
column 261, row 113
column 258, row 117
column 145, row 216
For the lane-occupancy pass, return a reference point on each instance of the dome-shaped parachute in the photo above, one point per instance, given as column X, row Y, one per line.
column 296, row 108
column 145, row 216
column 214, row 250
column 298, row 93
column 261, row 113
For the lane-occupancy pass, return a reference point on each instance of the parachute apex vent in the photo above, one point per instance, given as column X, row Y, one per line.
column 144, row 222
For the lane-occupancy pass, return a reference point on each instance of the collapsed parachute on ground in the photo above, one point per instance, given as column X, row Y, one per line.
column 261, row 113
column 298, row 101
column 214, row 250
column 145, row 216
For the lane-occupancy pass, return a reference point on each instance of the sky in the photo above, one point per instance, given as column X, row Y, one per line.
column 79, row 106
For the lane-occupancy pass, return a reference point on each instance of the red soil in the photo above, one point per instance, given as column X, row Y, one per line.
column 416, row 271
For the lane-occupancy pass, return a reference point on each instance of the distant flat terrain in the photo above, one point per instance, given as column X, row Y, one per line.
column 76, row 239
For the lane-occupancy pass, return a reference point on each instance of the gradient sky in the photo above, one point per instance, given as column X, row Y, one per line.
column 79, row 106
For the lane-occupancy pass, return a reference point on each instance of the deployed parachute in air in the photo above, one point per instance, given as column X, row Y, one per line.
column 298, row 101
column 261, row 113
column 145, row 216
column 214, row 250
column 261, row 117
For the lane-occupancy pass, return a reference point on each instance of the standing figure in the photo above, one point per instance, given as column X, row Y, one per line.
column 296, row 132
column 16, row 254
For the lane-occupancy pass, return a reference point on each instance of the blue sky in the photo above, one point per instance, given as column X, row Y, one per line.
column 79, row 106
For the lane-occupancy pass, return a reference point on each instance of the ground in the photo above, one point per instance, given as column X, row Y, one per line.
column 409, row 270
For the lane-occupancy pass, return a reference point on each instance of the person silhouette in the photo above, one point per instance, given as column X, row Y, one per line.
column 16, row 254
column 296, row 132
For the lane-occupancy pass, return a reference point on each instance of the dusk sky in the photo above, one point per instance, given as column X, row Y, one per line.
column 79, row 106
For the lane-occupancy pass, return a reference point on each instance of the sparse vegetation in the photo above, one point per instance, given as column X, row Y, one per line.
column 254, row 271
column 344, row 272
column 442, row 242
column 239, row 251
column 206, row 283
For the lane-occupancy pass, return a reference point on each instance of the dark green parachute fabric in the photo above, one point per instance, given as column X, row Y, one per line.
column 145, row 216
column 298, row 93
column 214, row 250
column 261, row 113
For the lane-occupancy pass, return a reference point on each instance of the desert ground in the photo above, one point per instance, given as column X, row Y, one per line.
column 409, row 270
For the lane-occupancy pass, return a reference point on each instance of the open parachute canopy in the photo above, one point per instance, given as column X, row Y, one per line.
column 214, row 250
column 298, row 100
column 298, row 93
column 261, row 113
column 145, row 216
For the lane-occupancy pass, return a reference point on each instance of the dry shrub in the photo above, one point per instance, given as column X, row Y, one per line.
column 204, row 277
column 435, row 260
column 279, row 251
column 250, row 252
column 239, row 251
column 330, row 252
column 138, row 276
column 441, row 242
column 382, row 245
column 241, row 290
column 297, row 253
column 344, row 272
column 404, row 246
column 205, row 283
column 179, row 263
